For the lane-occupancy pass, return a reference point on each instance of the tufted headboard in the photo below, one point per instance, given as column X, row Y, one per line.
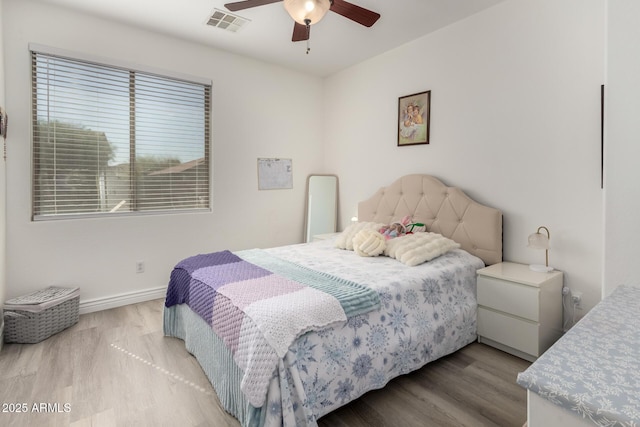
column 444, row 210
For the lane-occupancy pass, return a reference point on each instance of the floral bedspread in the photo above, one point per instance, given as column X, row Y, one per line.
column 427, row 311
column 594, row 369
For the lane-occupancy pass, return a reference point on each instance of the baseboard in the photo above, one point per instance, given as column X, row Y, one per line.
column 106, row 303
column 507, row 349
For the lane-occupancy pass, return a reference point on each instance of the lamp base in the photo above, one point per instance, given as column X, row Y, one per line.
column 540, row 268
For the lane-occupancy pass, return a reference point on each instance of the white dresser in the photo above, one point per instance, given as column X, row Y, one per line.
column 519, row 310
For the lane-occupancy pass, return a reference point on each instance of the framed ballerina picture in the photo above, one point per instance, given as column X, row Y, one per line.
column 413, row 119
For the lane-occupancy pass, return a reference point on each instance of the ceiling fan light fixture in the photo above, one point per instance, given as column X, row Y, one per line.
column 307, row 11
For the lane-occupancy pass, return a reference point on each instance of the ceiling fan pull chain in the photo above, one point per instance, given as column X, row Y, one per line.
column 308, row 23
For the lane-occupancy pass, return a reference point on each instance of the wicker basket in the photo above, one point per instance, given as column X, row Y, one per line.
column 34, row 317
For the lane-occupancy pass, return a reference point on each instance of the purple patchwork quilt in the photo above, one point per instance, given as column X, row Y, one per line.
column 259, row 312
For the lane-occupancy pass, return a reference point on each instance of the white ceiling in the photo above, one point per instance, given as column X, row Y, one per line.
column 336, row 42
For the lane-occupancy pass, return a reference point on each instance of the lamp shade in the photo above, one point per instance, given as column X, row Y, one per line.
column 538, row 241
column 303, row 10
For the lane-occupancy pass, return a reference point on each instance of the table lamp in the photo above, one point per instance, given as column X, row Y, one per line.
column 538, row 240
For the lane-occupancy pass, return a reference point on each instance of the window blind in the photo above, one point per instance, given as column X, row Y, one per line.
column 109, row 140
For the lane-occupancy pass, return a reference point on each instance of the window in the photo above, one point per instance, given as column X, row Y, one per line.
column 109, row 140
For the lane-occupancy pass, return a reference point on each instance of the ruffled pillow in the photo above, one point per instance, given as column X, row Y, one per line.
column 414, row 249
column 345, row 239
column 369, row 243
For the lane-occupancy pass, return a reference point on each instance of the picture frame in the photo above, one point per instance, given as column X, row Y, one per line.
column 414, row 119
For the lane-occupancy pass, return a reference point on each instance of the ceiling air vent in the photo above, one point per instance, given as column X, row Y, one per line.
column 226, row 21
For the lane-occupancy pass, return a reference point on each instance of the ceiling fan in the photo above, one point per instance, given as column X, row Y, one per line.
column 308, row 12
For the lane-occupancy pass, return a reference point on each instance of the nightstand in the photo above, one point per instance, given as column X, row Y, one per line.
column 325, row 236
column 519, row 310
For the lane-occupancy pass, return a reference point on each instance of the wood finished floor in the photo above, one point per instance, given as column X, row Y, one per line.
column 115, row 368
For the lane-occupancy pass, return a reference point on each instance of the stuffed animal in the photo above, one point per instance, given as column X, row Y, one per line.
column 396, row 229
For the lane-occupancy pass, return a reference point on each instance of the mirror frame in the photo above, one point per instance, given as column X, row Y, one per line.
column 306, row 237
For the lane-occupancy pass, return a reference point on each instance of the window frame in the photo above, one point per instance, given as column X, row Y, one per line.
column 35, row 49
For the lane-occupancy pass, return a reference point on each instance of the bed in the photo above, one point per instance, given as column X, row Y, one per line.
column 391, row 319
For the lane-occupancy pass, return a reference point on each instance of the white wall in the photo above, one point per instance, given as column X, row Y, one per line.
column 3, row 187
column 622, row 150
column 515, row 122
column 255, row 114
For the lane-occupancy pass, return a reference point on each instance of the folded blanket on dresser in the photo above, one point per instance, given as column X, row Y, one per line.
column 259, row 304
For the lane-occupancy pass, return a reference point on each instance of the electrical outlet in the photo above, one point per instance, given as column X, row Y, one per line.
column 140, row 267
column 576, row 299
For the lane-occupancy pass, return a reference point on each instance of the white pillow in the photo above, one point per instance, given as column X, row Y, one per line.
column 414, row 249
column 345, row 239
column 369, row 243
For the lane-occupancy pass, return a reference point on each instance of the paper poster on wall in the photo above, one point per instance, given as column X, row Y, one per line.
column 274, row 174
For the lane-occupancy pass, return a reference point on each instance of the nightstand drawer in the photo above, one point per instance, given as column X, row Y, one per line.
column 509, row 297
column 516, row 333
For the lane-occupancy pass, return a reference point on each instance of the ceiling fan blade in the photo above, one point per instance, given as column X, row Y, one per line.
column 358, row 14
column 240, row 5
column 300, row 32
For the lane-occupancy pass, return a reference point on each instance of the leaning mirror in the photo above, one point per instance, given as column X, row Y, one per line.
column 321, row 212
